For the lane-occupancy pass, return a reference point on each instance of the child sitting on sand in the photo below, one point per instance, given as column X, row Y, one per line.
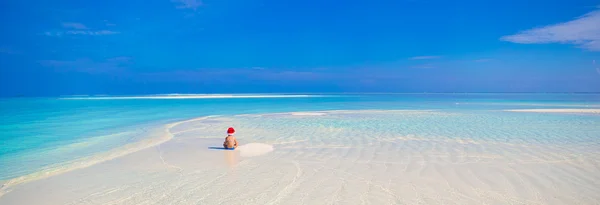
column 230, row 141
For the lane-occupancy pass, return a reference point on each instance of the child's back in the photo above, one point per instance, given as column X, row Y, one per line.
column 230, row 141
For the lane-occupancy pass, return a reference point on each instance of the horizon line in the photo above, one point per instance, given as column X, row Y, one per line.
column 268, row 95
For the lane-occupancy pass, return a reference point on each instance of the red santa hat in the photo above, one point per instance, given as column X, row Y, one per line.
column 230, row 131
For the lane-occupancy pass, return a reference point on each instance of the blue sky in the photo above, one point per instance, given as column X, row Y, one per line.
column 228, row 46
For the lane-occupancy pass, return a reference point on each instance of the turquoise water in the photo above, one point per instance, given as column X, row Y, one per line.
column 40, row 132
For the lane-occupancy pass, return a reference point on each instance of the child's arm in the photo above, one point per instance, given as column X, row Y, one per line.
column 235, row 141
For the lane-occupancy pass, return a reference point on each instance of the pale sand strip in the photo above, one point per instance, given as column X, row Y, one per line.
column 589, row 111
column 162, row 136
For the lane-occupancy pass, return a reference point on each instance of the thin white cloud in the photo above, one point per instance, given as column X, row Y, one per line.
column 425, row 57
column 583, row 32
column 72, row 28
column 80, row 32
column 93, row 33
column 187, row 4
column 72, row 25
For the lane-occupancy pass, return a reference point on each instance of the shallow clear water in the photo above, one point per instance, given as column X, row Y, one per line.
column 40, row 132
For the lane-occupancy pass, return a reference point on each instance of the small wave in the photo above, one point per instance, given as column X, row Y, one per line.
column 188, row 96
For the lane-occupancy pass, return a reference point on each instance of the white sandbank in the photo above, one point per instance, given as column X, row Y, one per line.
column 322, row 165
column 589, row 111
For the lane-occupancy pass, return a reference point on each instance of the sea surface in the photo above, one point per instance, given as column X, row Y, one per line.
column 38, row 134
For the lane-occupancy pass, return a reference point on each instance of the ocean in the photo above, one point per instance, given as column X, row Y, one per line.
column 42, row 134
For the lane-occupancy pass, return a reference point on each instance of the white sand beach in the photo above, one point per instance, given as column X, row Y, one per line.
column 321, row 160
